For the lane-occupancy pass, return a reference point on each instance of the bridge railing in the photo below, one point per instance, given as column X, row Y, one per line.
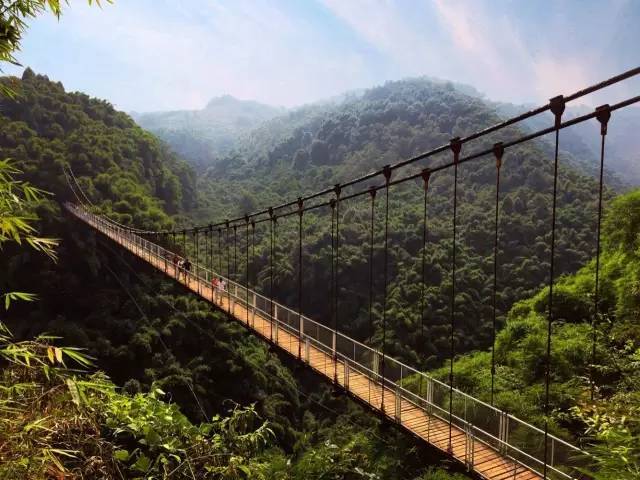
column 514, row 438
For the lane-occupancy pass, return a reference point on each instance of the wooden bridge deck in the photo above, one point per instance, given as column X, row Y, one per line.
column 476, row 455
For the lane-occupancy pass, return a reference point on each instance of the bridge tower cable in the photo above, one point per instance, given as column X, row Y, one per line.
column 385, row 269
column 603, row 114
column 300, row 322
column 455, row 145
column 557, row 108
column 498, row 152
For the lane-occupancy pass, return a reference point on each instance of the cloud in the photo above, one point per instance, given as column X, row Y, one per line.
column 163, row 54
column 390, row 29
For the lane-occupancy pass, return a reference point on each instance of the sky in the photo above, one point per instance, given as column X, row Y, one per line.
column 151, row 55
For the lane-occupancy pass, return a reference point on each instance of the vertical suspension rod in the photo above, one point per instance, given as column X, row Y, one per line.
column 455, row 146
column 603, row 114
column 498, row 152
column 385, row 265
column 557, row 108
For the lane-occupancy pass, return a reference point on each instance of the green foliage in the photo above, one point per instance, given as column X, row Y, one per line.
column 610, row 424
column 17, row 202
column 56, row 422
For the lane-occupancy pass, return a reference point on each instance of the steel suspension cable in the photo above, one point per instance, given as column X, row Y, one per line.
column 207, row 264
column 220, row 269
column 228, row 267
column 385, row 274
column 300, row 324
column 246, row 286
column 372, row 193
column 211, row 250
column 498, row 151
column 455, row 146
column 196, row 244
column 337, row 189
column 253, row 259
column 603, row 114
column 426, row 174
column 271, row 274
column 235, row 253
column 557, row 108
column 334, row 318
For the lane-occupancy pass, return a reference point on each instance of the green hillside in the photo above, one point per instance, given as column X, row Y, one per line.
column 317, row 147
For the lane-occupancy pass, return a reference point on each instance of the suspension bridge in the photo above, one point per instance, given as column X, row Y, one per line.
column 492, row 443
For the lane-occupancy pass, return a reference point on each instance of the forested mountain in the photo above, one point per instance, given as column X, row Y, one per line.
column 204, row 136
column 314, row 148
column 147, row 333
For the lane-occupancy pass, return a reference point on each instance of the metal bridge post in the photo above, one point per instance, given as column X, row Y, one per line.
column 306, row 349
column 346, row 375
column 275, row 317
column 253, row 311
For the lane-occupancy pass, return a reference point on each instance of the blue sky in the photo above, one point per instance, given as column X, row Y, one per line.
column 147, row 55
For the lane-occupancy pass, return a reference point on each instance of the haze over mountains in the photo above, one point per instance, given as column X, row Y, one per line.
column 227, row 125
column 205, row 135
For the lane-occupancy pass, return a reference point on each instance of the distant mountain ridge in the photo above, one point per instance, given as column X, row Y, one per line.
column 203, row 136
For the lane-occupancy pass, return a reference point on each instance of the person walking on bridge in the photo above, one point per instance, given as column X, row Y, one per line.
column 187, row 268
column 176, row 261
column 214, row 286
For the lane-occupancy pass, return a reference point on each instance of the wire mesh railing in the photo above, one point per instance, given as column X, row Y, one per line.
column 482, row 424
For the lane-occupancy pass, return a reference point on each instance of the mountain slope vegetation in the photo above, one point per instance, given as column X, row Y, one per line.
column 315, row 148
